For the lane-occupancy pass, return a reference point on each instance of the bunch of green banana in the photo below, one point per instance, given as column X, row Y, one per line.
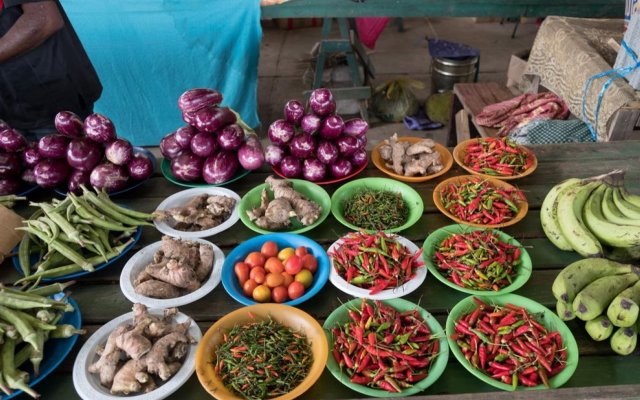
column 605, row 294
column 594, row 216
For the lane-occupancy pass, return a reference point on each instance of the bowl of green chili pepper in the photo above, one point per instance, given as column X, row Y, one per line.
column 377, row 204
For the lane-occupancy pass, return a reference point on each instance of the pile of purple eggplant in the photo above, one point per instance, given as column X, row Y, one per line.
column 214, row 145
column 81, row 153
column 316, row 144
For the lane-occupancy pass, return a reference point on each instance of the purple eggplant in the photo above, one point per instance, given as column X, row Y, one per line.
column 293, row 111
column 250, row 154
column 78, row 178
column 28, row 176
column 69, row 124
column 31, row 156
column 204, row 144
column 51, row 172
column 11, row 140
column 231, row 137
column 109, row 177
column 189, row 118
column 347, row 145
column 302, row 145
column 313, row 170
column 184, row 135
column 210, row 119
column 220, row 167
column 359, row 158
column 362, row 142
column 84, row 154
column 169, row 147
column 140, row 167
column 53, row 146
column 9, row 186
column 291, row 167
column 341, row 168
column 281, row 131
column 10, row 165
column 327, row 152
column 332, row 127
column 195, row 99
column 310, row 123
column 119, row 152
column 356, row 127
column 187, row 166
column 321, row 102
column 99, row 128
column 274, row 154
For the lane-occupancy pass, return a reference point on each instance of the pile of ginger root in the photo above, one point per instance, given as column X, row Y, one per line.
column 417, row 159
column 202, row 212
column 179, row 267
column 137, row 357
column 287, row 203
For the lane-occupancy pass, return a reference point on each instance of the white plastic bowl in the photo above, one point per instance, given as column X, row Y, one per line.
column 144, row 257
column 181, row 198
column 387, row 294
column 88, row 385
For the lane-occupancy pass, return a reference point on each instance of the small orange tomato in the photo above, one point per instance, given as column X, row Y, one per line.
column 258, row 274
column 274, row 265
column 301, row 251
column 272, row 280
column 255, row 259
column 269, row 249
column 280, row 294
column 287, row 279
column 310, row 262
column 293, row 265
column 295, row 290
column 248, row 287
column 261, row 294
column 242, row 272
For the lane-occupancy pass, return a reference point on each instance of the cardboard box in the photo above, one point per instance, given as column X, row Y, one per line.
column 9, row 237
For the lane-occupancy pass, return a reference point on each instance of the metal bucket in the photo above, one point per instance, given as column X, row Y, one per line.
column 445, row 72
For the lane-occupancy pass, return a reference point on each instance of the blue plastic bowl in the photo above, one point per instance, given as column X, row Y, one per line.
column 232, row 286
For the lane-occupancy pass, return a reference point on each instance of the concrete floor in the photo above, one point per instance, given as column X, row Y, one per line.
column 285, row 55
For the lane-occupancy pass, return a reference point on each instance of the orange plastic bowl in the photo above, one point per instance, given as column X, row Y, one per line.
column 288, row 316
column 445, row 156
column 523, row 206
column 460, row 151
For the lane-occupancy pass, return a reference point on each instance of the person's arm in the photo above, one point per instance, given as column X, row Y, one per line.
column 39, row 20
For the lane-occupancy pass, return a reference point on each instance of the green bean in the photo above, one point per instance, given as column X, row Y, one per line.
column 52, row 260
column 97, row 242
column 66, row 251
column 51, row 289
column 35, row 322
column 111, row 211
column 70, row 210
column 126, row 211
column 62, row 223
column 65, row 331
column 104, row 239
column 17, row 304
column 15, row 379
column 36, row 356
column 23, row 255
column 44, row 302
column 24, row 329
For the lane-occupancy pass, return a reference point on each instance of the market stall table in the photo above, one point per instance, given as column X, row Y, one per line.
column 600, row 373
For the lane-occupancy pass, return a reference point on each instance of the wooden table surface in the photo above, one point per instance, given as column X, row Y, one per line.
column 600, row 373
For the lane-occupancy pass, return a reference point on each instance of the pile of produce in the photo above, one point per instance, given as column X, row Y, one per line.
column 76, row 234
column 478, row 260
column 287, row 203
column 383, row 348
column 27, row 320
column 82, row 153
column 214, row 145
column 198, row 214
column 417, row 159
column 138, row 357
column 10, row 200
column 497, row 156
column 508, row 344
column 276, row 275
column 375, row 261
column 316, row 144
column 179, row 267
column 479, row 201
column 605, row 294
column 262, row 359
column 376, row 210
column 592, row 215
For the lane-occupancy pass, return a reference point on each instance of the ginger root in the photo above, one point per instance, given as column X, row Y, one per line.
column 404, row 158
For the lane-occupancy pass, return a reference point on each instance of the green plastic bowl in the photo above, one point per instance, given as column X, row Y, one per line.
column 312, row 191
column 549, row 319
column 431, row 243
column 346, row 191
column 340, row 315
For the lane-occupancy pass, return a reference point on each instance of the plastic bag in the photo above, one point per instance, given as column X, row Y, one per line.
column 394, row 99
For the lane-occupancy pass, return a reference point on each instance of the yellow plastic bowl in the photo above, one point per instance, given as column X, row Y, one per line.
column 460, row 151
column 445, row 156
column 523, row 206
column 286, row 315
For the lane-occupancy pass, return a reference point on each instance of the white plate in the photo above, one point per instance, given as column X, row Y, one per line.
column 183, row 197
column 144, row 257
column 387, row 294
column 88, row 385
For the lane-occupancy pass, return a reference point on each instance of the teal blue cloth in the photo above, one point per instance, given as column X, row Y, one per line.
column 147, row 52
column 548, row 131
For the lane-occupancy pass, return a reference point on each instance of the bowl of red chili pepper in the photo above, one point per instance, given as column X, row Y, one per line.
column 512, row 342
column 477, row 261
column 492, row 157
column 480, row 202
column 262, row 351
column 387, row 348
column 376, row 266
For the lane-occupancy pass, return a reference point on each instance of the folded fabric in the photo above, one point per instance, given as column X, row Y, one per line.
column 519, row 111
column 551, row 131
column 420, row 122
column 446, row 49
column 370, row 28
